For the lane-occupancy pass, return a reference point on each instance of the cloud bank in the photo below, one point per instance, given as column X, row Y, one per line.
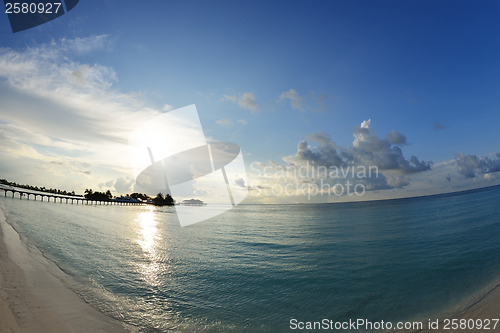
column 368, row 152
column 367, row 149
column 471, row 165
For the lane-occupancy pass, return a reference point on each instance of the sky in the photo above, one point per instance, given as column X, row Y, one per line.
column 409, row 88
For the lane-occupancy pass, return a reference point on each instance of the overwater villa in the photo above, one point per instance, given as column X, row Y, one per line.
column 193, row 202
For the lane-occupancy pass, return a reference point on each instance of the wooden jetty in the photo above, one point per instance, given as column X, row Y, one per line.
column 69, row 198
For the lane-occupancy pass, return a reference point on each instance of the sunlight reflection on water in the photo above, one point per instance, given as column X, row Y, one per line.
column 148, row 239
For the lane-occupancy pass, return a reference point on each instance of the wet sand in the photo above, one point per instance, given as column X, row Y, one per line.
column 488, row 307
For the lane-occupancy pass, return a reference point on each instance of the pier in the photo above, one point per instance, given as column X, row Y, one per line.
column 68, row 198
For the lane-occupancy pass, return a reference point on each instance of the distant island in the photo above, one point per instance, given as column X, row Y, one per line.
column 159, row 200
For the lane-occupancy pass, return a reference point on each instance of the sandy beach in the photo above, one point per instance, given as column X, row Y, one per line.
column 487, row 307
column 32, row 299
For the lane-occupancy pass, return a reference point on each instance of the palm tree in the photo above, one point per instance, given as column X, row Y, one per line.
column 169, row 200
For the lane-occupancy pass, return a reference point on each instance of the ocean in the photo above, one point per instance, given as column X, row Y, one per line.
column 257, row 267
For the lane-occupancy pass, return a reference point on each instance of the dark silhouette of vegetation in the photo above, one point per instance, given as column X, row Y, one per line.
column 40, row 189
column 162, row 200
column 140, row 196
column 89, row 194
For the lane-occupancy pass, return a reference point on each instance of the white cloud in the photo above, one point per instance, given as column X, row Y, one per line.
column 471, row 165
column 240, row 182
column 79, row 75
column 372, row 150
column 20, row 134
column 295, row 99
column 124, row 186
column 248, row 102
column 396, row 138
column 245, row 101
column 83, row 45
column 224, row 122
column 367, row 150
column 242, row 121
column 168, row 107
column 232, row 98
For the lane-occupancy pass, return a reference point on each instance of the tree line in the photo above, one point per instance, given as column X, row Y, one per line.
column 160, row 198
column 36, row 188
column 89, row 194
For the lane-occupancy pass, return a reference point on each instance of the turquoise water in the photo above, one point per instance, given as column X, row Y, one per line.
column 256, row 267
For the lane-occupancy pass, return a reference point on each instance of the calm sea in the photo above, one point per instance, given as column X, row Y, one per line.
column 256, row 267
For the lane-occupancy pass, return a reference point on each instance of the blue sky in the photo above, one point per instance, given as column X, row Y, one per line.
column 287, row 70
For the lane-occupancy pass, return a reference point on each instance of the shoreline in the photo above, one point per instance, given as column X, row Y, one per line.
column 486, row 307
column 33, row 299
